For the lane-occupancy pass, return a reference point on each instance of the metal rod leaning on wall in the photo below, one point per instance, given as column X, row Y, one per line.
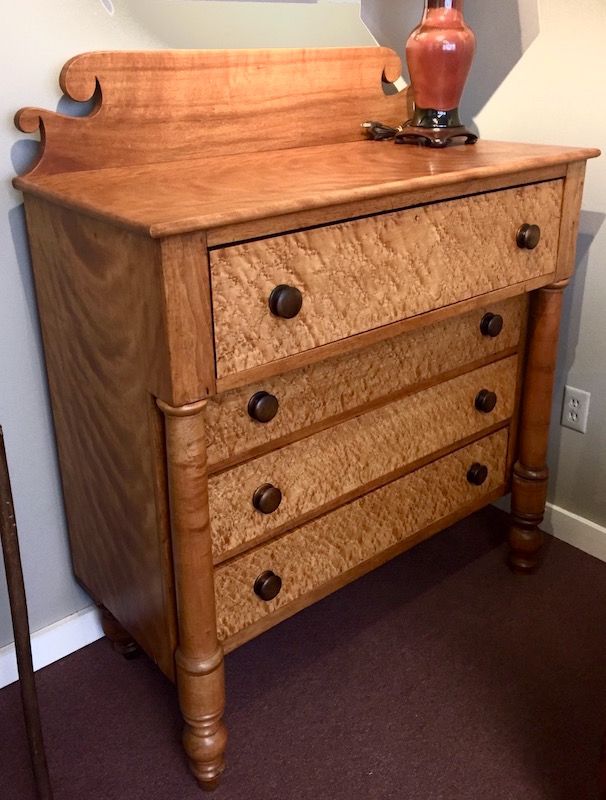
column 18, row 604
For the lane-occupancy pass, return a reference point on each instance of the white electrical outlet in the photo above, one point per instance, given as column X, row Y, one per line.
column 575, row 409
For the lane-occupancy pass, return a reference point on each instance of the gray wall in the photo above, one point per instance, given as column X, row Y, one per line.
column 555, row 94
column 528, row 84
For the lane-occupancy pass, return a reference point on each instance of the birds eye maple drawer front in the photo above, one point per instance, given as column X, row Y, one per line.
column 317, row 553
column 251, row 419
column 276, row 297
column 266, row 494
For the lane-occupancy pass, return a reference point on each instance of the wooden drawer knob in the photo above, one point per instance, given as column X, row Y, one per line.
column 477, row 474
column 528, row 236
column 263, row 406
column 285, row 301
column 267, row 498
column 491, row 325
column 268, row 585
column 485, row 401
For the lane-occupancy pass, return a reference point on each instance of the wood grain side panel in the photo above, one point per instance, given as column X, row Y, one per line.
column 318, row 552
column 340, row 385
column 360, row 275
column 318, row 470
column 99, row 329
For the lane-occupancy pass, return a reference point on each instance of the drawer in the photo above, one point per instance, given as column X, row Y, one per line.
column 312, row 396
column 321, row 552
column 339, row 462
column 365, row 273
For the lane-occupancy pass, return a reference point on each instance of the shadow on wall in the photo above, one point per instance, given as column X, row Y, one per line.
column 16, row 221
column 504, row 32
column 574, row 297
column 590, row 224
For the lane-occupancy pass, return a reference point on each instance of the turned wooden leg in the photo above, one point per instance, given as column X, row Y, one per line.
column 530, row 473
column 199, row 657
column 121, row 640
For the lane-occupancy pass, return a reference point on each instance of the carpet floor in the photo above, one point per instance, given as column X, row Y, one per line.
column 439, row 676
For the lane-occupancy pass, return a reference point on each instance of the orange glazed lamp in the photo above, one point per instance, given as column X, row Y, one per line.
column 439, row 53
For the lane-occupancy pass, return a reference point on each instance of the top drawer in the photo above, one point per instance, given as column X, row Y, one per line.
column 359, row 275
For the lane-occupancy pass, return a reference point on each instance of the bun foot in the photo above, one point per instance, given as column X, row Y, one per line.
column 122, row 642
column 210, row 786
column 524, row 557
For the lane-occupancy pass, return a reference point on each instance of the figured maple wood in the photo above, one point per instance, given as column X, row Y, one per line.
column 530, row 472
column 318, row 470
column 472, row 240
column 320, row 393
column 314, row 554
column 199, row 194
column 356, row 343
column 170, row 105
column 103, row 345
column 199, row 656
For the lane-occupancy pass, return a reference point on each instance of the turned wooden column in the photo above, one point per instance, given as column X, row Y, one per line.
column 530, row 472
column 199, row 656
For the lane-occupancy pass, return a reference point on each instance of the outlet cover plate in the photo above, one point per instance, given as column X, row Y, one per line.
column 575, row 409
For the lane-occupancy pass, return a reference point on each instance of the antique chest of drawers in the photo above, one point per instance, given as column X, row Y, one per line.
column 280, row 354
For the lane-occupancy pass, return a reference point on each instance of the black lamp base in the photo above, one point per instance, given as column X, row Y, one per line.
column 428, row 126
column 434, row 137
column 434, row 128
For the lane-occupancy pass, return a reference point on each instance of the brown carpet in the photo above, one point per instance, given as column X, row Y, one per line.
column 439, row 676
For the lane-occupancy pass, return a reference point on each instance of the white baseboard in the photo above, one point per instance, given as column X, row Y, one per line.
column 54, row 642
column 588, row 536
column 581, row 533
